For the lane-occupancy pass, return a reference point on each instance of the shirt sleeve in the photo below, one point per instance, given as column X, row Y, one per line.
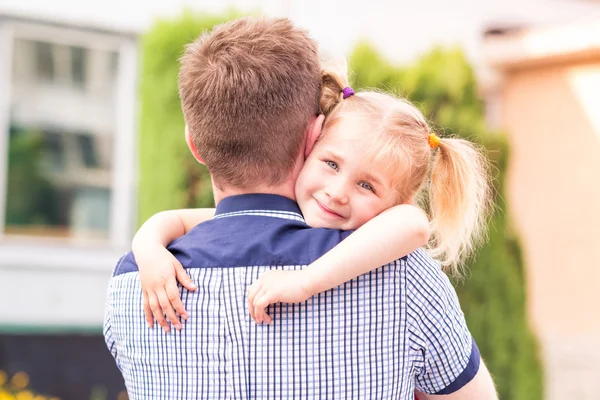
column 107, row 330
column 443, row 351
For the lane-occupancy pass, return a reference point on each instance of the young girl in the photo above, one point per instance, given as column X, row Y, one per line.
column 368, row 171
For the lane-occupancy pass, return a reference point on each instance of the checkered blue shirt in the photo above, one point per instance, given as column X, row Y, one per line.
column 379, row 336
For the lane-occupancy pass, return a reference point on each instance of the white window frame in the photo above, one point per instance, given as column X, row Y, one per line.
column 42, row 252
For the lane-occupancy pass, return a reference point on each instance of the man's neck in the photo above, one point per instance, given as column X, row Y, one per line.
column 285, row 190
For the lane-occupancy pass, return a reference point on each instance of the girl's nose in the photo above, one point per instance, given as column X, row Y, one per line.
column 337, row 192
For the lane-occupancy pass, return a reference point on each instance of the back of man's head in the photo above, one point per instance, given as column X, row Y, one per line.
column 248, row 90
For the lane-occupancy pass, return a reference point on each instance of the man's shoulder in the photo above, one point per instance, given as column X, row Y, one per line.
column 425, row 274
column 421, row 263
column 125, row 264
column 427, row 283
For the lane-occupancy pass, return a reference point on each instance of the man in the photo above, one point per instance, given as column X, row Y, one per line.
column 249, row 93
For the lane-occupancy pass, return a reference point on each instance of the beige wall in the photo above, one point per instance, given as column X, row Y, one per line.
column 552, row 115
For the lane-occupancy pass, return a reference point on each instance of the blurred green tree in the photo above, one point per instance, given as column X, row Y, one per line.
column 442, row 84
column 31, row 198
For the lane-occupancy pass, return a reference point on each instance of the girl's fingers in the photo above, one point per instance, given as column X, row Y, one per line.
column 267, row 298
column 148, row 311
column 183, row 277
column 263, row 302
column 174, row 297
column 167, row 309
column 157, row 311
column 267, row 318
column 257, row 311
column 252, row 291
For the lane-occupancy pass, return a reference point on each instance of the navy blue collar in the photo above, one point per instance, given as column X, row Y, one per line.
column 256, row 202
column 260, row 229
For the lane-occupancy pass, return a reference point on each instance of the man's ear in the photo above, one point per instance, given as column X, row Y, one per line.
column 192, row 146
column 313, row 133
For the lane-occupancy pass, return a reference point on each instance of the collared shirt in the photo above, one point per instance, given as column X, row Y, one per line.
column 379, row 336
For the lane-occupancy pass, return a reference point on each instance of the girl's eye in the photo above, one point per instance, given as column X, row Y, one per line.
column 332, row 164
column 365, row 185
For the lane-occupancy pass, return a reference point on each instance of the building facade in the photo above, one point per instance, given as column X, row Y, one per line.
column 546, row 97
column 67, row 195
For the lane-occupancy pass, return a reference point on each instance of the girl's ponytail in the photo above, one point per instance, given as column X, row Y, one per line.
column 335, row 79
column 459, row 201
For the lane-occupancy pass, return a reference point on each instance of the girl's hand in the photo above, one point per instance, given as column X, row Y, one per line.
column 159, row 273
column 277, row 286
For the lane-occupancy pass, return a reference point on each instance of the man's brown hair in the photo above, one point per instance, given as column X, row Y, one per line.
column 248, row 90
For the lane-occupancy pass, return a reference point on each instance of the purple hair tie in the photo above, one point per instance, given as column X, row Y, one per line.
column 347, row 92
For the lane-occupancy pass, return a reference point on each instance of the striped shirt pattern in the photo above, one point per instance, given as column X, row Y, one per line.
column 379, row 336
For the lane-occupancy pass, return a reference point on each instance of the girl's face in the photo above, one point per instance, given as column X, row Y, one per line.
column 337, row 188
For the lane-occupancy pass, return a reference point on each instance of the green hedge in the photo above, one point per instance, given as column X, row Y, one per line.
column 442, row 84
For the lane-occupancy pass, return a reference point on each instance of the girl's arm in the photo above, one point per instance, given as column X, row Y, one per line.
column 166, row 226
column 393, row 234
column 389, row 236
column 159, row 269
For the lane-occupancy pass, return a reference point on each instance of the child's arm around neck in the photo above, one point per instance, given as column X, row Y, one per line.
column 166, row 226
column 389, row 236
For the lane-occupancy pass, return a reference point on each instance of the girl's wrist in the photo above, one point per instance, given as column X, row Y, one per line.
column 145, row 250
column 312, row 281
column 142, row 243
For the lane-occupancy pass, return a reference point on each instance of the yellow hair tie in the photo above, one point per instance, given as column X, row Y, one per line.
column 434, row 140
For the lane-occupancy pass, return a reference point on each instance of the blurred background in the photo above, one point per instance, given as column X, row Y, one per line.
column 91, row 144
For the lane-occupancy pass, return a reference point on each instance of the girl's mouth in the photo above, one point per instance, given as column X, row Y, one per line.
column 328, row 210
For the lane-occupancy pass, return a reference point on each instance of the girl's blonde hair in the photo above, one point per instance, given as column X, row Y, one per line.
column 451, row 182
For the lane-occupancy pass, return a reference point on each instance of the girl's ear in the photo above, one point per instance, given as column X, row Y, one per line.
column 192, row 146
column 313, row 132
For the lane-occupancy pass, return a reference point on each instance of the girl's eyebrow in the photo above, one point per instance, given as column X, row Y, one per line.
column 333, row 155
column 374, row 179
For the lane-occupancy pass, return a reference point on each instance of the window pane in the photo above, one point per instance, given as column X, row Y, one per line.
column 60, row 142
column 78, row 65
column 44, row 61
